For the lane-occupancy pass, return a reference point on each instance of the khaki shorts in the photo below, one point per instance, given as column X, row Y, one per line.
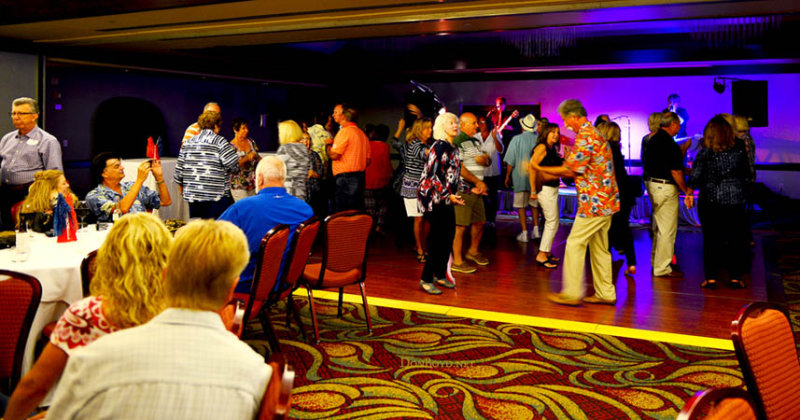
column 523, row 199
column 472, row 211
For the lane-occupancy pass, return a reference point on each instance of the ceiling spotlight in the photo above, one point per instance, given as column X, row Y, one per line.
column 719, row 84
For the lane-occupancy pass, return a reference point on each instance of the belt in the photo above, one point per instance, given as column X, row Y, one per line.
column 661, row 181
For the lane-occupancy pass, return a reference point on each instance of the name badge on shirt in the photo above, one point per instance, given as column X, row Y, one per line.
column 32, row 142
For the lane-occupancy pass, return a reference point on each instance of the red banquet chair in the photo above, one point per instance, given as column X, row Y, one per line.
column 719, row 404
column 344, row 260
column 300, row 248
column 20, row 295
column 764, row 343
column 268, row 265
column 278, row 396
column 15, row 211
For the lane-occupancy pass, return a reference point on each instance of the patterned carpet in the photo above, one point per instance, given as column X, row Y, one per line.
column 787, row 249
column 429, row 366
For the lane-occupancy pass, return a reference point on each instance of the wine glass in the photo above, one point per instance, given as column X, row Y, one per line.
column 82, row 210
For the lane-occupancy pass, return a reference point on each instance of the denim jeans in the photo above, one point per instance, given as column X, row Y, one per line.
column 349, row 193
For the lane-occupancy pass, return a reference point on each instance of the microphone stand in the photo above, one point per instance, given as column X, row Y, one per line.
column 629, row 143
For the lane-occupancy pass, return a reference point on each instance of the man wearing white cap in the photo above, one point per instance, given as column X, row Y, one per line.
column 517, row 158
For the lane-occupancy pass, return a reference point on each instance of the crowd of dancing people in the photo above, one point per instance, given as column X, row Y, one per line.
column 446, row 183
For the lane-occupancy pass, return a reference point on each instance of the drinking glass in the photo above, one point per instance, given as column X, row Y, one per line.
column 22, row 248
column 82, row 211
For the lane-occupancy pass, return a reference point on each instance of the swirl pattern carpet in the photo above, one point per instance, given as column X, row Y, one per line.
column 430, row 366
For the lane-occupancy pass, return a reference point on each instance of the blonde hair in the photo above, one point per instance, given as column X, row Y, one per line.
column 740, row 123
column 289, row 132
column 609, row 130
column 40, row 193
column 130, row 266
column 654, row 121
column 204, row 264
column 420, row 124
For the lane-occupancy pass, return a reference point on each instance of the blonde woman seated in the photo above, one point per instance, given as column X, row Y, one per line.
column 295, row 155
column 37, row 209
column 126, row 291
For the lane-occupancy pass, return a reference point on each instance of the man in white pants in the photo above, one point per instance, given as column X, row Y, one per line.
column 591, row 164
column 663, row 163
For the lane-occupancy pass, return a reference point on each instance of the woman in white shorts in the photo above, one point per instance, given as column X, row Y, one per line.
column 416, row 153
column 546, row 154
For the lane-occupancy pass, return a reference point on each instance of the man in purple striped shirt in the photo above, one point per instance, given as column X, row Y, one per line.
column 23, row 152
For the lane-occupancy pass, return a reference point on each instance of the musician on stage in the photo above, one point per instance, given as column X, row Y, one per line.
column 498, row 116
column 674, row 105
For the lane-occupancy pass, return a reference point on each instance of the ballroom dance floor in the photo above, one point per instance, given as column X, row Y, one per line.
column 513, row 288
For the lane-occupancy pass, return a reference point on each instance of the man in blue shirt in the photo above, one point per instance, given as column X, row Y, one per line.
column 111, row 194
column 271, row 206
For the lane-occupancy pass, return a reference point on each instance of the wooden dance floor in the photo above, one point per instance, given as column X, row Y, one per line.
column 514, row 284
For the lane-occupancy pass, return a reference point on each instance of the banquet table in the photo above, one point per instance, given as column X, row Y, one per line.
column 179, row 209
column 57, row 266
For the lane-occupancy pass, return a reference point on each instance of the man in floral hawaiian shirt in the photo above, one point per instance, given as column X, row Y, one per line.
column 591, row 164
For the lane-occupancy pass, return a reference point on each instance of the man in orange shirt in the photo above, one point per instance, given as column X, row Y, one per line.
column 349, row 154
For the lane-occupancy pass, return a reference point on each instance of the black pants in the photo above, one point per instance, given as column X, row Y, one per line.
column 440, row 241
column 10, row 195
column 209, row 209
column 620, row 235
column 490, row 201
column 725, row 243
column 349, row 193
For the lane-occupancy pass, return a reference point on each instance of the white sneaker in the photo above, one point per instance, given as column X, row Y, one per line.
column 522, row 237
column 535, row 233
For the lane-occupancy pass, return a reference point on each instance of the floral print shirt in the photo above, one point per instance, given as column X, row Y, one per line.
column 81, row 324
column 245, row 179
column 440, row 176
column 593, row 163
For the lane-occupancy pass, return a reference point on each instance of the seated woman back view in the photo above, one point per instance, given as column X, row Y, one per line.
column 126, row 291
column 37, row 209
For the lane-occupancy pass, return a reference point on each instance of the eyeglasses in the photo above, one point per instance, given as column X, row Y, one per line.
column 14, row 114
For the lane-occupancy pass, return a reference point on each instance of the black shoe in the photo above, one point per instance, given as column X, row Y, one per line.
column 709, row 284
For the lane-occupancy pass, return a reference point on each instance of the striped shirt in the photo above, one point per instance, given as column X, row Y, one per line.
column 204, row 164
column 469, row 149
column 415, row 159
column 353, row 145
column 23, row 156
column 190, row 132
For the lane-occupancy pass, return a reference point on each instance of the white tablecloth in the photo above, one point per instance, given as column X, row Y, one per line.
column 57, row 266
column 179, row 209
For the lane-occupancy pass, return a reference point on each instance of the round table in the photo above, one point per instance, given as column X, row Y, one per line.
column 57, row 266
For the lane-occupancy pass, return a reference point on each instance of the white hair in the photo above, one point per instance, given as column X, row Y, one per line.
column 439, row 125
column 271, row 169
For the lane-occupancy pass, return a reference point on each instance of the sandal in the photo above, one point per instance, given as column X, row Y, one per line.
column 709, row 284
column 737, row 284
column 547, row 264
column 421, row 258
column 554, row 260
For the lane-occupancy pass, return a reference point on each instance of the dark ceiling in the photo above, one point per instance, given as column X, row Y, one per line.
column 316, row 42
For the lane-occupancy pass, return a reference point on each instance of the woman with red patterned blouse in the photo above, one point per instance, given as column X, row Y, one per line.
column 438, row 188
column 126, row 291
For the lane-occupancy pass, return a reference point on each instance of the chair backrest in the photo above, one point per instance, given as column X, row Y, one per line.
column 88, row 268
column 268, row 266
column 719, row 404
column 20, row 295
column 233, row 316
column 301, row 245
column 278, row 396
column 345, row 241
column 764, row 343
